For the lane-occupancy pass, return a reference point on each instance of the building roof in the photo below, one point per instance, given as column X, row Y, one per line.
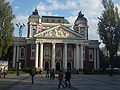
column 54, row 19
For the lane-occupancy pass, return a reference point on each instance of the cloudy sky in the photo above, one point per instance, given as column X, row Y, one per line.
column 66, row 8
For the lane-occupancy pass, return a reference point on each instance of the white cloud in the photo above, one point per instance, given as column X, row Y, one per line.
column 71, row 19
column 16, row 7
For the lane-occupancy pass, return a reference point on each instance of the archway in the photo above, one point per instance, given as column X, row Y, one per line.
column 69, row 65
column 46, row 66
column 57, row 66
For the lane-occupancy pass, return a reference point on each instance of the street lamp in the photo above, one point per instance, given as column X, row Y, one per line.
column 20, row 27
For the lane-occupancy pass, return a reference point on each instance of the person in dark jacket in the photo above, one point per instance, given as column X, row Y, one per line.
column 60, row 77
column 32, row 74
column 67, row 79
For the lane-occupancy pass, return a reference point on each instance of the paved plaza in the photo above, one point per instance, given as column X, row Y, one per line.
column 79, row 82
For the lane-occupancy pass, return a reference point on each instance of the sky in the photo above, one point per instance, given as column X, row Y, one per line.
column 69, row 9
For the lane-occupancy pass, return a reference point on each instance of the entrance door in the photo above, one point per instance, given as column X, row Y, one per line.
column 46, row 66
column 69, row 65
column 57, row 66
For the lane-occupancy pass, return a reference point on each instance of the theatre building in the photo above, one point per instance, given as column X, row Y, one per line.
column 52, row 44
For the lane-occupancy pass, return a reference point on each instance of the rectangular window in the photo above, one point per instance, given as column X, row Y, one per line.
column 46, row 50
column 58, row 51
column 69, row 52
column 33, row 51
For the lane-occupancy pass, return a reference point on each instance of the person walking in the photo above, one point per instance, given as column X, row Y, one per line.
column 67, row 78
column 47, row 73
column 32, row 74
column 4, row 72
column 40, row 72
column 60, row 77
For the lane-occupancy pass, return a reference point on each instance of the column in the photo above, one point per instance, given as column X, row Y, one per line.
column 14, row 56
column 65, row 58
column 17, row 61
column 74, row 57
column 81, row 49
column 95, row 59
column 53, row 55
column 41, row 56
column 77, row 55
column 98, row 62
column 36, row 59
column 18, row 53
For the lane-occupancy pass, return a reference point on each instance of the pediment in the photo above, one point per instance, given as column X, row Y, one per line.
column 59, row 32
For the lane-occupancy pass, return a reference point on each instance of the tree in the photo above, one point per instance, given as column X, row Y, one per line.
column 109, row 29
column 6, row 27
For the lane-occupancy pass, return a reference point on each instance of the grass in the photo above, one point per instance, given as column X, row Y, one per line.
column 14, row 72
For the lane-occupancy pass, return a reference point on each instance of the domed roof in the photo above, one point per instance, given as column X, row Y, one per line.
column 81, row 17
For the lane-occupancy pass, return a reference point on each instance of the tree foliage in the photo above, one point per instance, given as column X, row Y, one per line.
column 109, row 28
column 6, row 27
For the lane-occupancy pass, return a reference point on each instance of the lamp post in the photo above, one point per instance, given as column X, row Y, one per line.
column 20, row 27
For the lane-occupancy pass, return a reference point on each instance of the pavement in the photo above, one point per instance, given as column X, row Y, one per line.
column 78, row 81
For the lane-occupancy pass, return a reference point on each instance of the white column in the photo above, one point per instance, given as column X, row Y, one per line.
column 98, row 62
column 65, row 58
column 95, row 59
column 77, row 59
column 74, row 57
column 30, row 31
column 53, row 55
column 14, row 55
column 17, row 55
column 36, row 59
column 41, row 56
column 81, row 49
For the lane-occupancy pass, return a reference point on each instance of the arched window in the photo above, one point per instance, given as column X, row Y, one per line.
column 57, row 66
column 22, row 52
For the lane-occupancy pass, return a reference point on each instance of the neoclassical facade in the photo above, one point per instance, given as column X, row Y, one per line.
column 52, row 44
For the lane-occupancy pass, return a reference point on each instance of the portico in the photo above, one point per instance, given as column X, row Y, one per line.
column 63, row 59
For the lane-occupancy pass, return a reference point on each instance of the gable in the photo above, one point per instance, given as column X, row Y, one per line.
column 59, row 32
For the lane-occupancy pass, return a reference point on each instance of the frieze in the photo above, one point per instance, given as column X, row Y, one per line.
column 58, row 32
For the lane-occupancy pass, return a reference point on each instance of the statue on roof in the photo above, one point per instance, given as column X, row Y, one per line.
column 80, row 14
column 35, row 12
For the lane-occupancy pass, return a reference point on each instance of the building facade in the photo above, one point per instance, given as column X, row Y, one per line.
column 52, row 44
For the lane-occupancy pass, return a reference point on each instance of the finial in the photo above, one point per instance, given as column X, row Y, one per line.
column 35, row 11
column 80, row 14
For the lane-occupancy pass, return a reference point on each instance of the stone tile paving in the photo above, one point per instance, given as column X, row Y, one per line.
column 79, row 82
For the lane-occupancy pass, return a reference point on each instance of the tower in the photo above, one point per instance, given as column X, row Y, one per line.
column 80, row 25
column 34, row 21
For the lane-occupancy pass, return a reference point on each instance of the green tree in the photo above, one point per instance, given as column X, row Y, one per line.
column 6, row 27
column 109, row 29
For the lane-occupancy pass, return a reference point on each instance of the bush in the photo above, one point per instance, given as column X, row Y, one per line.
column 86, row 71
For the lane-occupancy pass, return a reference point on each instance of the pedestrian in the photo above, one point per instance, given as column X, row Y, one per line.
column 50, row 74
column 40, row 71
column 60, row 77
column 4, row 72
column 53, row 74
column 32, row 73
column 67, row 78
column 47, row 73
column 1, row 72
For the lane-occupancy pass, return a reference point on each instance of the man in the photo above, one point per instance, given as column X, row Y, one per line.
column 60, row 77
column 32, row 73
column 67, row 78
